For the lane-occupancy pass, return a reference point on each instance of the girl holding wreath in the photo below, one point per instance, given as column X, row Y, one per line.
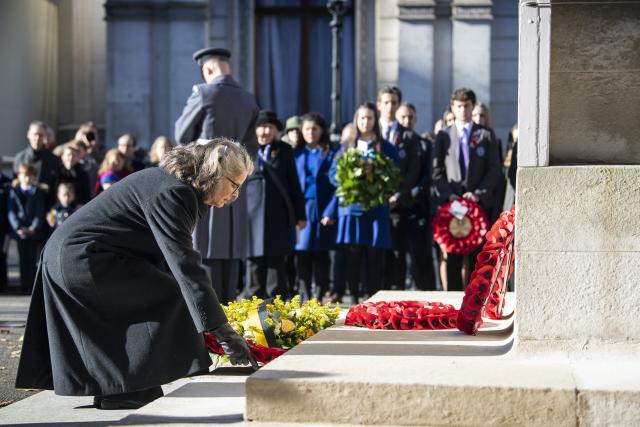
column 365, row 234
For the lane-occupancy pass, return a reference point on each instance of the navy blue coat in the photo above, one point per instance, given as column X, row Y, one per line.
column 357, row 226
column 271, row 223
column 27, row 211
column 315, row 236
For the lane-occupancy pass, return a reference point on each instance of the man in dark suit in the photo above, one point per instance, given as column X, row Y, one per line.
column 417, row 236
column 220, row 107
column 45, row 162
column 465, row 164
column 408, row 144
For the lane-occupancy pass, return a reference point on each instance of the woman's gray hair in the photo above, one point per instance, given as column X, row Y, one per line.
column 203, row 163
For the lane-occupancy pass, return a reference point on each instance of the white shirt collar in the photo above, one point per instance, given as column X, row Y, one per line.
column 467, row 126
column 385, row 125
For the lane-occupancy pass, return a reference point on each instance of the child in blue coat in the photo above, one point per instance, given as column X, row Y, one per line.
column 313, row 163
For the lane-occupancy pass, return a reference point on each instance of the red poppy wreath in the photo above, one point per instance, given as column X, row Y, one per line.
column 460, row 226
column 484, row 295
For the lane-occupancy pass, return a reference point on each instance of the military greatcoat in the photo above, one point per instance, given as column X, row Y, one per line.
column 221, row 108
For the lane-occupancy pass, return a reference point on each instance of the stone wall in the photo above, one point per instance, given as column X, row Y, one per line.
column 595, row 83
column 29, row 47
column 82, row 63
column 150, row 68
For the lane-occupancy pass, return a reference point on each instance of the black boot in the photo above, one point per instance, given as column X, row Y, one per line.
column 131, row 400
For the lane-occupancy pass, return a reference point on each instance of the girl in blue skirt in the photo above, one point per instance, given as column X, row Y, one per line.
column 365, row 234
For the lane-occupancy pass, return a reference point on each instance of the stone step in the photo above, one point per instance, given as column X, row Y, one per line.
column 347, row 374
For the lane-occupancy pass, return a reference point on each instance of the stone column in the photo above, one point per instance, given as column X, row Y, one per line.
column 365, row 50
column 472, row 46
column 230, row 24
column 416, row 54
column 442, row 59
column 149, row 66
column 578, row 238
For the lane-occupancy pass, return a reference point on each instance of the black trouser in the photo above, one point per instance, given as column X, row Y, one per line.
column 292, row 273
column 3, row 268
column 313, row 265
column 410, row 235
column 420, row 240
column 338, row 270
column 396, row 258
column 225, row 276
column 364, row 265
column 28, row 250
column 268, row 277
column 454, row 270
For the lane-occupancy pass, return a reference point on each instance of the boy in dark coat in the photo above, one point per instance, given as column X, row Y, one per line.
column 465, row 164
column 27, row 219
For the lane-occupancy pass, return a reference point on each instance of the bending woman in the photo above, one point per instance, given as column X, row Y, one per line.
column 121, row 298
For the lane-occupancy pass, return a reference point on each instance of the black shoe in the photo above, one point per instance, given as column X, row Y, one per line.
column 132, row 400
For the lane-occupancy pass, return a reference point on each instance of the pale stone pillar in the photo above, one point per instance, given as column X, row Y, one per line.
column 577, row 225
column 472, row 46
column 150, row 69
column 416, row 54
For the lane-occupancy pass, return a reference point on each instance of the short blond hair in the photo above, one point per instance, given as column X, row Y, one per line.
column 153, row 156
column 202, row 164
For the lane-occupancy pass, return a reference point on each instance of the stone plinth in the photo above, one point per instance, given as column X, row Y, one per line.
column 578, row 251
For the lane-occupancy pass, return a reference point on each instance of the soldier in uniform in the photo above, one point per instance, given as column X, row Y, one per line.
column 220, row 107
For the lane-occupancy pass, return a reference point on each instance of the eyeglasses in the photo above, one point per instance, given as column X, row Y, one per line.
column 236, row 186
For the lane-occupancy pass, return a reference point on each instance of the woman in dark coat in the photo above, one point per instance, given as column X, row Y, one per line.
column 275, row 208
column 125, row 295
column 313, row 161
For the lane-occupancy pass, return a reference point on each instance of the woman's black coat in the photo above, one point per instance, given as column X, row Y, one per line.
column 272, row 218
column 121, row 299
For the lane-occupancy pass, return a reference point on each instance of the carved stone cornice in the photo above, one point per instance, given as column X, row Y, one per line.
column 471, row 10
column 185, row 10
column 416, row 10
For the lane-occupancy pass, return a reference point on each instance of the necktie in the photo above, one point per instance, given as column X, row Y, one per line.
column 387, row 134
column 464, row 141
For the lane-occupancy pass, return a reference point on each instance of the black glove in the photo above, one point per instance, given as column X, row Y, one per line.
column 234, row 346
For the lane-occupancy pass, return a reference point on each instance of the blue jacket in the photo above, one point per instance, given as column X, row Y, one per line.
column 316, row 236
column 26, row 210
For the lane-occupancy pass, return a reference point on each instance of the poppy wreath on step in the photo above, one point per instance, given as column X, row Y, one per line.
column 460, row 236
column 483, row 296
column 260, row 353
column 402, row 315
column 485, row 293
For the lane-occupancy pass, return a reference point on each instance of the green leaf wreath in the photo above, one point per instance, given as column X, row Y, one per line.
column 355, row 185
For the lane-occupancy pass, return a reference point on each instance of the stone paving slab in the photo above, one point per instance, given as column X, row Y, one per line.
column 46, row 408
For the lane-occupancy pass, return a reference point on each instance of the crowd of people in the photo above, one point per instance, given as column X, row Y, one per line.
column 313, row 244
column 299, row 237
column 51, row 181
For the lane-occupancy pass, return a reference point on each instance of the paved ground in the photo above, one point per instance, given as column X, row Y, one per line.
column 13, row 314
